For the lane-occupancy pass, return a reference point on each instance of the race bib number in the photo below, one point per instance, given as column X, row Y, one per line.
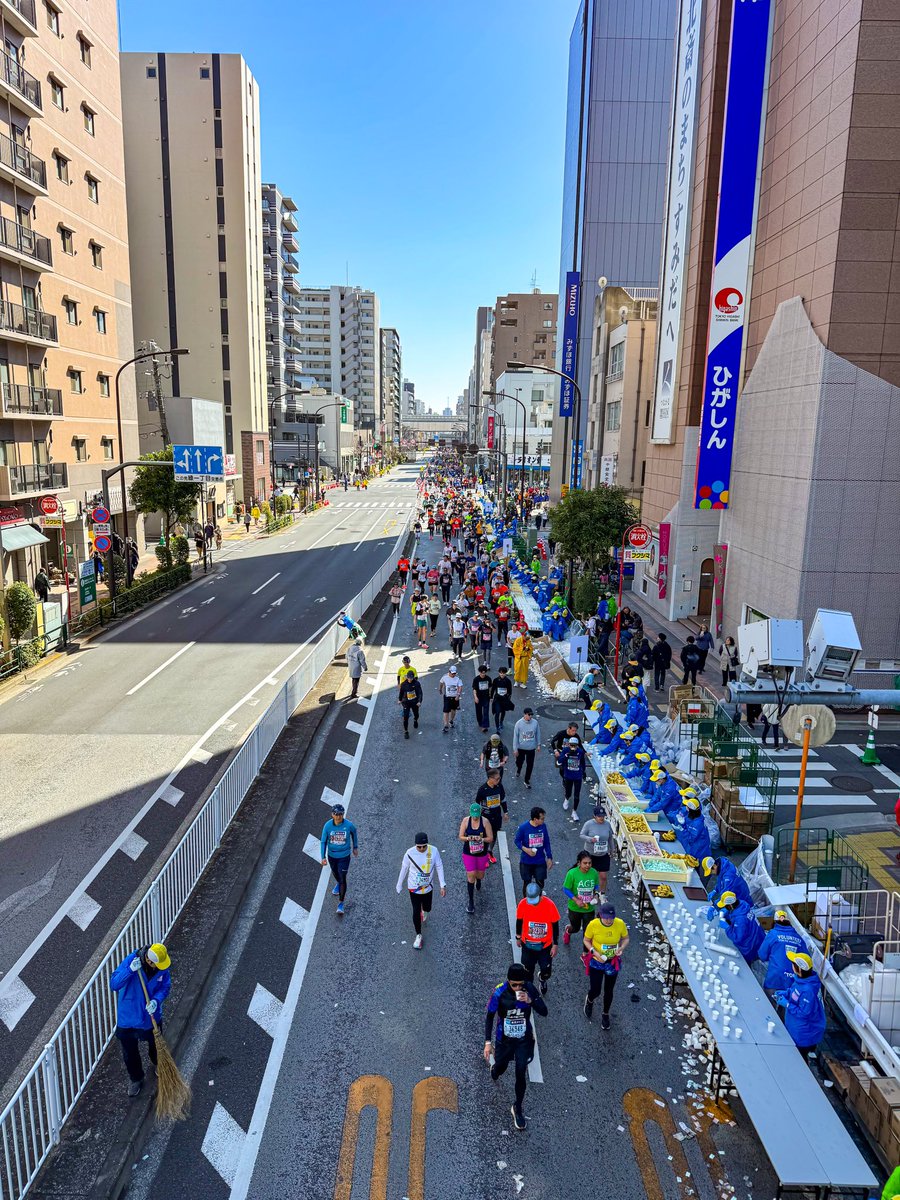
column 585, row 891
column 537, row 931
column 535, row 841
column 423, row 881
column 493, row 800
column 338, row 837
column 514, row 1025
column 476, row 845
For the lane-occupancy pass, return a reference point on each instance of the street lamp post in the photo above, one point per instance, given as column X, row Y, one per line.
column 272, row 403
column 315, row 413
column 574, row 473
column 516, row 400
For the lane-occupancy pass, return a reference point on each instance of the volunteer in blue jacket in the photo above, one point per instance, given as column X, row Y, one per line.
column 804, row 1011
column 134, row 1009
column 726, row 878
column 692, row 833
column 743, row 929
column 780, row 939
column 637, row 712
column 533, row 839
column 641, row 769
column 605, row 734
column 338, row 839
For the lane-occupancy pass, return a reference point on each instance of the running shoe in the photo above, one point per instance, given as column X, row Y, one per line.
column 417, row 943
column 565, row 805
column 518, row 1116
column 588, row 1008
column 470, row 909
column 604, row 1021
column 567, row 935
column 340, row 908
column 336, row 890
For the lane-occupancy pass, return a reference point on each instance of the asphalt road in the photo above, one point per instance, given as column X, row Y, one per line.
column 104, row 758
column 333, row 1060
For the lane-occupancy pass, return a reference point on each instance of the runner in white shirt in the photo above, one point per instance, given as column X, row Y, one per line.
column 420, row 862
column 451, row 690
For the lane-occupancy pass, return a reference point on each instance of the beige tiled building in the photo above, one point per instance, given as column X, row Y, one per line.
column 523, row 329
column 196, row 225
column 65, row 317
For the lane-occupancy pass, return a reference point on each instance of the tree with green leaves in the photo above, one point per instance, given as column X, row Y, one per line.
column 21, row 608
column 585, row 524
column 154, row 490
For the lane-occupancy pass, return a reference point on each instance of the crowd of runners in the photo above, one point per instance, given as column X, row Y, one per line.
column 454, row 592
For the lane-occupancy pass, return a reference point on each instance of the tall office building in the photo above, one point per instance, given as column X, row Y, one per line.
column 340, row 346
column 523, row 328
column 408, row 405
column 801, row 509
column 391, row 387
column 65, row 314
column 195, row 221
column 617, row 118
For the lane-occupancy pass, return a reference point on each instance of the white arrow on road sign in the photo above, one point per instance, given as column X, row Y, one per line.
column 185, row 611
column 321, row 600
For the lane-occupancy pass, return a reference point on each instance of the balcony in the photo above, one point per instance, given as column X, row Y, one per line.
column 21, row 167
column 20, row 14
column 16, row 83
column 26, row 324
column 33, row 480
column 291, row 285
column 290, row 264
column 289, row 221
column 20, row 400
column 23, row 245
column 289, row 242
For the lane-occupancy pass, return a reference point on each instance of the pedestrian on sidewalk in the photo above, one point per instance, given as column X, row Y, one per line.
column 218, row 537
column 396, row 595
column 481, row 692
column 42, row 586
column 533, row 839
column 356, row 664
column 477, row 836
column 728, row 661
column 705, row 642
column 209, row 532
column 508, row 1020
column 537, row 934
column 771, row 719
column 451, row 689
column 247, row 519
column 420, row 863
column 605, row 941
column 410, row 698
column 526, row 743
column 501, row 697
column 690, row 660
column 199, row 540
column 339, row 839
column 134, row 1010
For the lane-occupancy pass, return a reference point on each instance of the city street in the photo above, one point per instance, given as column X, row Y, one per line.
column 106, row 757
column 380, row 1046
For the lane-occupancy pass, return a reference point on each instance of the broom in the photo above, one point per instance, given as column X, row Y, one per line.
column 173, row 1095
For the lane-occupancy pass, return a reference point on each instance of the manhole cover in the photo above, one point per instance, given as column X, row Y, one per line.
column 559, row 712
column 853, row 784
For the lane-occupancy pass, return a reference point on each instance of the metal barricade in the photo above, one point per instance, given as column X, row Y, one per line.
column 31, row 1122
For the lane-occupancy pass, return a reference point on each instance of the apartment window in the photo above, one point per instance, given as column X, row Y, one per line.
column 103, row 381
column 96, row 255
column 100, row 318
column 57, row 93
column 89, row 115
column 7, row 454
column 548, row 307
column 260, row 453
column 548, row 324
column 107, row 444
column 613, row 415
column 204, row 72
column 71, row 310
column 537, row 396
column 93, row 188
column 67, row 240
column 510, row 321
column 616, row 366
column 76, row 381
column 52, row 18
column 80, row 445
column 151, row 72
column 62, row 167
column 84, row 49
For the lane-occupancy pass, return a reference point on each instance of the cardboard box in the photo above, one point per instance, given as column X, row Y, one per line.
column 885, row 1094
column 726, row 795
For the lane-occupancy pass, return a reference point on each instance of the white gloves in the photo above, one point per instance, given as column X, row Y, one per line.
column 135, row 963
column 151, row 1007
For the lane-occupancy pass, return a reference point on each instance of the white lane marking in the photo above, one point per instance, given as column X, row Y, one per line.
column 831, row 801
column 266, row 584
column 134, row 846
column 209, row 601
column 28, row 895
column 330, row 796
column 178, row 653
column 250, row 1146
column 364, row 701
column 345, row 759
column 265, row 1009
column 313, row 847
column 354, row 727
column 379, row 520
column 15, row 1001
column 370, row 680
column 83, row 911
column 535, row 1074
column 890, row 775
column 223, row 1143
column 171, row 795
column 294, row 915
column 792, row 782
column 201, row 756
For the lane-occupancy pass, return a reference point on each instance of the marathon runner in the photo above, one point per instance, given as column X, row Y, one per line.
column 338, row 838
column 537, row 933
column 420, row 862
column 477, row 836
column 508, row 1020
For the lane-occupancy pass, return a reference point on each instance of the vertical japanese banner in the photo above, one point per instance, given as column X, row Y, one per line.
column 569, row 344
column 720, row 559
column 490, row 444
column 662, row 576
column 745, row 111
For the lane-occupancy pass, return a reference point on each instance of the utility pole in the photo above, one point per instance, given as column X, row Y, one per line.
column 160, row 403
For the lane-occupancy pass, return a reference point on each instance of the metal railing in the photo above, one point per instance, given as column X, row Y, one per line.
column 25, row 241
column 17, row 78
column 30, row 322
column 30, row 1124
column 38, row 477
column 19, row 398
column 22, row 161
column 25, row 8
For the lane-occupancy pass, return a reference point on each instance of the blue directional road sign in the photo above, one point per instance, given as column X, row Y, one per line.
column 194, row 464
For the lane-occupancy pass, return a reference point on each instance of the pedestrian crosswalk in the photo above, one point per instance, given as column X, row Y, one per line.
column 394, row 505
column 818, row 789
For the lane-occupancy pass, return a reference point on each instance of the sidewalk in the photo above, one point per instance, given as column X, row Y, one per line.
column 677, row 633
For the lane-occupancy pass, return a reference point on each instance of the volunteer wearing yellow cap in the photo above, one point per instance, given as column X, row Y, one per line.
column 136, row 1004
column 804, row 1012
column 781, row 938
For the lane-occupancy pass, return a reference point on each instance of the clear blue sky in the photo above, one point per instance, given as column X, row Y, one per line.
column 401, row 129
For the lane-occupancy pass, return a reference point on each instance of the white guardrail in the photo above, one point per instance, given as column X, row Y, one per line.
column 30, row 1124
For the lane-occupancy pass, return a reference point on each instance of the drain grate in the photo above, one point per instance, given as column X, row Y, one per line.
column 852, row 784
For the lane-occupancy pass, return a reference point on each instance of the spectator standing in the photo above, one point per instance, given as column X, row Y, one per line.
column 704, row 642
column 728, row 661
column 42, row 586
column 691, row 657
column 356, row 664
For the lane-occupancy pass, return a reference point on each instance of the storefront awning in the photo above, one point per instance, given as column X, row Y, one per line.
column 17, row 537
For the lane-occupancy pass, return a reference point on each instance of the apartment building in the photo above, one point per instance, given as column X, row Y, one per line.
column 65, row 311
column 340, row 346
column 523, row 329
column 195, row 220
column 409, row 406
column 621, row 388
column 391, row 387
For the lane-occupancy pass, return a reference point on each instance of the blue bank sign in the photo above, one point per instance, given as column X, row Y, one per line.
column 569, row 343
column 745, row 111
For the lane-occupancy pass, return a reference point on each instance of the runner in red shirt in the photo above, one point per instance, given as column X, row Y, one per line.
column 403, row 570
column 537, row 933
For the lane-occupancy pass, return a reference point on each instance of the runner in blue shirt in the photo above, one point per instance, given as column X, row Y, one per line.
column 338, row 840
column 533, row 839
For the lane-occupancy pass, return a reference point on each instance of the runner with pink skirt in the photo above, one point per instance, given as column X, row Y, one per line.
column 477, row 836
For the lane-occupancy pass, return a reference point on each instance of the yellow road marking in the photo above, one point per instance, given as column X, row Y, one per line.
column 640, row 1106
column 436, row 1092
column 377, row 1092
